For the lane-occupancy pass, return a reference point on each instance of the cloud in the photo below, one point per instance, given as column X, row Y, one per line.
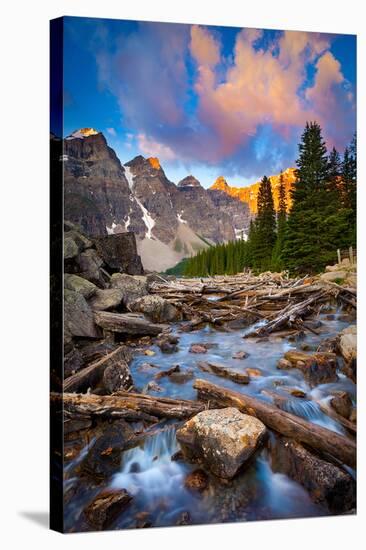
column 204, row 47
column 112, row 132
column 151, row 148
column 188, row 100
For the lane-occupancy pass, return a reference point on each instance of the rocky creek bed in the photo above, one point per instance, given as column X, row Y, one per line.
column 203, row 401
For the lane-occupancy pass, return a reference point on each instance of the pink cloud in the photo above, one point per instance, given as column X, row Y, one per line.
column 261, row 88
column 152, row 148
column 204, row 47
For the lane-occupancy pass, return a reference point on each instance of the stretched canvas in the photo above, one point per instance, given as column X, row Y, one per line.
column 203, row 274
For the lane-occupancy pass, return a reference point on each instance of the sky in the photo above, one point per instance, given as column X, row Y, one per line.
column 207, row 100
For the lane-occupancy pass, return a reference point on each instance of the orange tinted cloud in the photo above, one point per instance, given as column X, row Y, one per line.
column 262, row 86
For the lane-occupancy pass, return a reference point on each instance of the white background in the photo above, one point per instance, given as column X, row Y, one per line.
column 24, row 272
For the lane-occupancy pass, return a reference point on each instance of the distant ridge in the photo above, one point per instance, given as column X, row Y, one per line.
column 249, row 194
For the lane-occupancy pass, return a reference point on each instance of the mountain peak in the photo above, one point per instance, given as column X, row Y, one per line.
column 154, row 161
column 83, row 133
column 220, row 184
column 249, row 193
column 189, row 181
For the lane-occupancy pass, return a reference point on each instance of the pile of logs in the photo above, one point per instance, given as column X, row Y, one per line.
column 277, row 300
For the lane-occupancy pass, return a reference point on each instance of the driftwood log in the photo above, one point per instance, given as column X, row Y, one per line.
column 131, row 406
column 89, row 376
column 289, row 315
column 127, row 323
column 321, row 439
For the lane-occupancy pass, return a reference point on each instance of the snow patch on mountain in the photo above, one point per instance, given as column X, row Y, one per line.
column 148, row 220
column 240, row 234
column 110, row 230
column 129, row 176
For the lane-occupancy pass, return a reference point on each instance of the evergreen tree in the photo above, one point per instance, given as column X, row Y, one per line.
column 307, row 246
column 334, row 175
column 265, row 227
column 277, row 263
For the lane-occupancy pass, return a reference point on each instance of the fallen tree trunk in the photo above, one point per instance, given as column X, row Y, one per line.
column 127, row 323
column 317, row 437
column 131, row 406
column 288, row 315
column 91, row 375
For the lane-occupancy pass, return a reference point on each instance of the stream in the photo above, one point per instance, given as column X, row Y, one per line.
column 156, row 482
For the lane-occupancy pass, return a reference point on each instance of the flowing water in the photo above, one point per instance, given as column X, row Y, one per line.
column 157, row 483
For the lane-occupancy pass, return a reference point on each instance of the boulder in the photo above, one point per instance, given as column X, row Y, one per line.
column 119, row 253
column 325, row 482
column 132, row 287
column 71, row 249
column 317, row 368
column 117, row 377
column 342, row 403
column 106, row 507
column 333, row 276
column 157, row 309
column 284, row 364
column 89, row 267
column 78, row 317
column 351, row 280
column 167, row 343
column 79, row 284
column 108, row 298
column 223, row 439
column 240, row 355
column 73, row 362
column 197, row 348
column 348, row 343
column 80, row 239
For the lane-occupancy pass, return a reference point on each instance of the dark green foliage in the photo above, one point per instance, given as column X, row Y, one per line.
column 334, row 176
column 265, row 227
column 319, row 221
column 178, row 269
column 277, row 263
column 222, row 259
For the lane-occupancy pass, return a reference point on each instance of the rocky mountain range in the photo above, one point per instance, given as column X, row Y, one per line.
column 249, row 194
column 170, row 221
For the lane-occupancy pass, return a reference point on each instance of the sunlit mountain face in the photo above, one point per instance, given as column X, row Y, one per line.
column 207, row 101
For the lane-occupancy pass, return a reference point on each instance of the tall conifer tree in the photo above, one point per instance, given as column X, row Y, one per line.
column 277, row 263
column 306, row 243
column 265, row 226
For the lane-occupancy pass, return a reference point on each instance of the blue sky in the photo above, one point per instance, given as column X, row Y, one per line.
column 207, row 100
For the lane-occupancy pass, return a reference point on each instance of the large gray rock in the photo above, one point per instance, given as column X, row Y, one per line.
column 71, row 249
column 106, row 299
column 156, row 308
column 348, row 343
column 89, row 266
column 79, row 284
column 117, row 377
column 333, row 275
column 132, row 287
column 222, row 439
column 78, row 317
column 119, row 253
